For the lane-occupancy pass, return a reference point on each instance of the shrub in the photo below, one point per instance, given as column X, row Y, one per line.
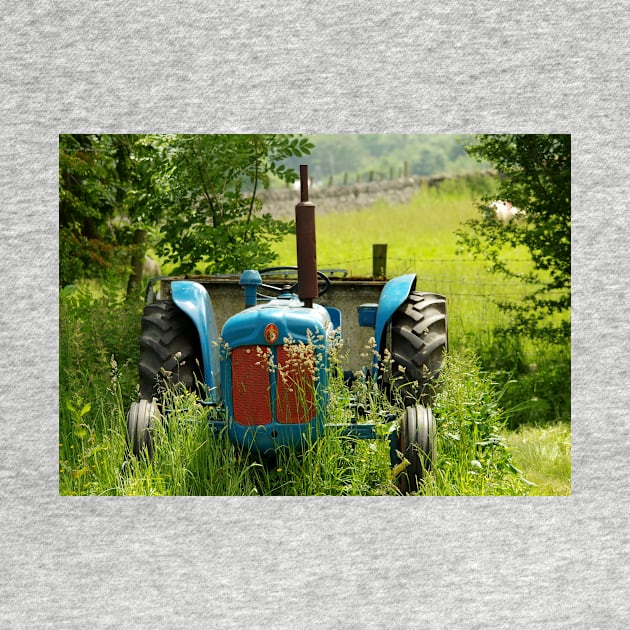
column 472, row 455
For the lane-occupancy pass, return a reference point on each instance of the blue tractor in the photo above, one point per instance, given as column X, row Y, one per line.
column 267, row 375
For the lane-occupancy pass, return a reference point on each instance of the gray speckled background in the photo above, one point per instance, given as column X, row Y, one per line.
column 313, row 67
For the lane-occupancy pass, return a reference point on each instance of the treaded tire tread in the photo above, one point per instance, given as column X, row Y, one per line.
column 167, row 331
column 419, row 340
column 417, row 444
column 140, row 419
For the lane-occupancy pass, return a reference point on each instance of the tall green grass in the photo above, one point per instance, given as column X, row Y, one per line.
column 98, row 355
column 544, row 454
column 98, row 386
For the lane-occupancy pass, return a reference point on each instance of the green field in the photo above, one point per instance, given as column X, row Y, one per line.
column 421, row 238
column 503, row 405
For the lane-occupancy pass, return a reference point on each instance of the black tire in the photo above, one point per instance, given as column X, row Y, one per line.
column 140, row 420
column 419, row 341
column 417, row 444
column 169, row 350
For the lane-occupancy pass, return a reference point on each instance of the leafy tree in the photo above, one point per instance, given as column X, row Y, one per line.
column 85, row 197
column 108, row 193
column 195, row 195
column 535, row 176
column 214, row 222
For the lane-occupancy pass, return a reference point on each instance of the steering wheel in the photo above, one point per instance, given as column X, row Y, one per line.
column 284, row 287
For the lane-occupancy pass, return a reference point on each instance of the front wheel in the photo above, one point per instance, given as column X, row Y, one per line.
column 140, row 422
column 417, row 444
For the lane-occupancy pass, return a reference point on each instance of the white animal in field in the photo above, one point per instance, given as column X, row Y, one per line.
column 504, row 210
column 150, row 268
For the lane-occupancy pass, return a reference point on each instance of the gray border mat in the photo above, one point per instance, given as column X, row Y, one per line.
column 313, row 67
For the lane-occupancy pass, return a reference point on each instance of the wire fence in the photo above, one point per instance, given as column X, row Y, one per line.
column 488, row 289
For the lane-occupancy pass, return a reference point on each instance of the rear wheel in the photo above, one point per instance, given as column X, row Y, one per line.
column 417, row 444
column 169, row 350
column 418, row 344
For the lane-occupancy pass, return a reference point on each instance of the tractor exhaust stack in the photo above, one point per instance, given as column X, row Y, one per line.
column 305, row 240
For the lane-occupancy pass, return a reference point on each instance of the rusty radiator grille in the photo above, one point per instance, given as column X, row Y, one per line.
column 294, row 377
column 295, row 400
column 251, row 385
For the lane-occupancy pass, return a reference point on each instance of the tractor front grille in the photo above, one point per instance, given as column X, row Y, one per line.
column 290, row 371
column 295, row 400
column 250, row 385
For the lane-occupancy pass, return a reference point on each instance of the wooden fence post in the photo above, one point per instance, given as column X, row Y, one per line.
column 134, row 283
column 379, row 260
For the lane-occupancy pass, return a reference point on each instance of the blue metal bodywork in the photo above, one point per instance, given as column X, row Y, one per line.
column 317, row 326
column 287, row 313
column 194, row 300
column 268, row 438
column 295, row 324
column 394, row 293
column 250, row 280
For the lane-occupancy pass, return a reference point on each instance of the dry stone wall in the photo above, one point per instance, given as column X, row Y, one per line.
column 281, row 203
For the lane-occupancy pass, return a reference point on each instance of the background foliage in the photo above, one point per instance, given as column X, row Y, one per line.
column 214, row 221
column 195, row 195
column 535, row 176
column 109, row 185
column 385, row 155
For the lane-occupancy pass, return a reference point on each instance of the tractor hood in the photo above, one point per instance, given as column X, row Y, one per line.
column 273, row 397
column 276, row 322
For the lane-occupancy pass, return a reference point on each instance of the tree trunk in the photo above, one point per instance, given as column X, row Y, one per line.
column 137, row 261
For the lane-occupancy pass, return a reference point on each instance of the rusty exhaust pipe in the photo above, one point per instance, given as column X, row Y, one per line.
column 305, row 241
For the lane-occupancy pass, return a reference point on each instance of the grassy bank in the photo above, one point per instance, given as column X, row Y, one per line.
column 543, row 453
column 503, row 409
column 98, row 385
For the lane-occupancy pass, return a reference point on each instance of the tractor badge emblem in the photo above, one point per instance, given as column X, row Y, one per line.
column 271, row 333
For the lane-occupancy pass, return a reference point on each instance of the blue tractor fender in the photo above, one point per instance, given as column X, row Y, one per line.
column 194, row 300
column 394, row 293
